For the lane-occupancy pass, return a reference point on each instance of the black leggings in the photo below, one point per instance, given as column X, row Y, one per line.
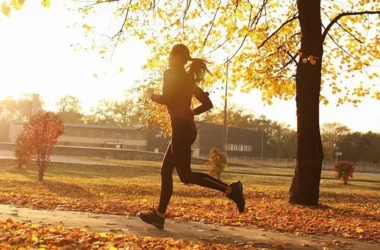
column 178, row 155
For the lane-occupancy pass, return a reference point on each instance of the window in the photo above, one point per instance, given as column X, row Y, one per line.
column 142, row 136
column 84, row 133
column 132, row 136
column 131, row 147
column 109, row 135
column 239, row 147
column 97, row 134
column 83, row 144
column 71, row 132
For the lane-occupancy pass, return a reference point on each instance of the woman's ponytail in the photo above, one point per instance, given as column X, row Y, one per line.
column 197, row 69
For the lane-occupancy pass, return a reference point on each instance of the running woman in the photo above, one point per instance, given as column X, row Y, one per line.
column 179, row 86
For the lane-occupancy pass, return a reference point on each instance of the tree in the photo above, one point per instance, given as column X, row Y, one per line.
column 12, row 109
column 69, row 109
column 118, row 113
column 23, row 151
column 344, row 170
column 332, row 134
column 37, row 139
column 236, row 117
column 274, row 46
column 6, row 8
column 217, row 162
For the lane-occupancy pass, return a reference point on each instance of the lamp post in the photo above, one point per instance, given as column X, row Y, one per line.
column 225, row 129
column 262, row 144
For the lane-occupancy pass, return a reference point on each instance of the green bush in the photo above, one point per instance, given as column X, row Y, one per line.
column 344, row 170
column 217, row 162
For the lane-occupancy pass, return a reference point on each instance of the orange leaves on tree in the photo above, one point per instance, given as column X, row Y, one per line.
column 37, row 139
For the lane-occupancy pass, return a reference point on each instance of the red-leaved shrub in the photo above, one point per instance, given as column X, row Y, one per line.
column 344, row 170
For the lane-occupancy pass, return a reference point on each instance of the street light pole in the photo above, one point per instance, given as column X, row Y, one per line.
column 262, row 144
column 225, row 130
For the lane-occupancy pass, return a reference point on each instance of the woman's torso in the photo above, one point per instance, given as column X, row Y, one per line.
column 179, row 83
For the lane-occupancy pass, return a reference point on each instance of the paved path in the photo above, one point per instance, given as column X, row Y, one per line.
column 181, row 230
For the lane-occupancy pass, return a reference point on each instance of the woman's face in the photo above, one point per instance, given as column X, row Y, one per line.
column 174, row 60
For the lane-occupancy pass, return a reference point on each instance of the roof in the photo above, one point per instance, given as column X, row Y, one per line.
column 133, row 127
column 71, row 125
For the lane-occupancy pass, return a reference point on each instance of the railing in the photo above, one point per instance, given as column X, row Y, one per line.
column 291, row 163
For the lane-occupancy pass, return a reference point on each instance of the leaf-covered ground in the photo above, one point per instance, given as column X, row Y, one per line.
column 351, row 211
column 16, row 235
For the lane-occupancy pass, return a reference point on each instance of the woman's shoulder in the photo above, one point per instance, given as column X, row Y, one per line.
column 175, row 73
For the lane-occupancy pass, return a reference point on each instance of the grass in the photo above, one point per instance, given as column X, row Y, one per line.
column 346, row 210
column 258, row 170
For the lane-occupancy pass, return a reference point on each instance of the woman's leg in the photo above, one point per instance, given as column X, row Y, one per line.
column 166, row 180
column 184, row 134
column 157, row 218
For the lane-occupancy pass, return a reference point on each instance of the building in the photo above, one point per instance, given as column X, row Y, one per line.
column 240, row 142
column 100, row 136
column 157, row 143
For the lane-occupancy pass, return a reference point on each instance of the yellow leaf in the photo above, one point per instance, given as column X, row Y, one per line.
column 17, row 4
column 6, row 9
column 86, row 27
column 35, row 239
column 112, row 248
column 103, row 235
column 45, row 3
column 360, row 230
column 83, row 230
column 33, row 226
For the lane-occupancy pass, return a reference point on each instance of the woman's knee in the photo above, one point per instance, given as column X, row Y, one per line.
column 186, row 178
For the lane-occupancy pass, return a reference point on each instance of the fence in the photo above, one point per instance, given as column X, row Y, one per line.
column 291, row 163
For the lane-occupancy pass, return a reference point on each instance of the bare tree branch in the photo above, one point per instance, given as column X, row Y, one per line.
column 336, row 19
column 218, row 47
column 277, row 30
column 118, row 34
column 255, row 21
column 345, row 51
column 186, row 10
column 357, row 39
column 212, row 25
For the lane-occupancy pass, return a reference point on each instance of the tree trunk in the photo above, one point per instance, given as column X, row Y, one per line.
column 41, row 170
column 305, row 186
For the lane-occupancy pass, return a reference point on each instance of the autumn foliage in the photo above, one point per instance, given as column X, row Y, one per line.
column 217, row 162
column 37, row 139
column 344, row 170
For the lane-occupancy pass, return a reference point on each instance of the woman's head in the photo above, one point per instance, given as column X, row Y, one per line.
column 180, row 55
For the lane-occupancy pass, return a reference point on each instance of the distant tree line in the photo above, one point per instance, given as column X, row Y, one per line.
column 280, row 138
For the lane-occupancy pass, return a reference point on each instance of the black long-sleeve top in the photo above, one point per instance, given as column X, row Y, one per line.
column 177, row 95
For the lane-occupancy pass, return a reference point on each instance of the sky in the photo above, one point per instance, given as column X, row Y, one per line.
column 37, row 56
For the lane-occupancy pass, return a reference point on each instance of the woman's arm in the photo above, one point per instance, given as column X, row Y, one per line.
column 167, row 91
column 206, row 103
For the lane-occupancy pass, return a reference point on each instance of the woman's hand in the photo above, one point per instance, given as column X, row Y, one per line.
column 148, row 93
